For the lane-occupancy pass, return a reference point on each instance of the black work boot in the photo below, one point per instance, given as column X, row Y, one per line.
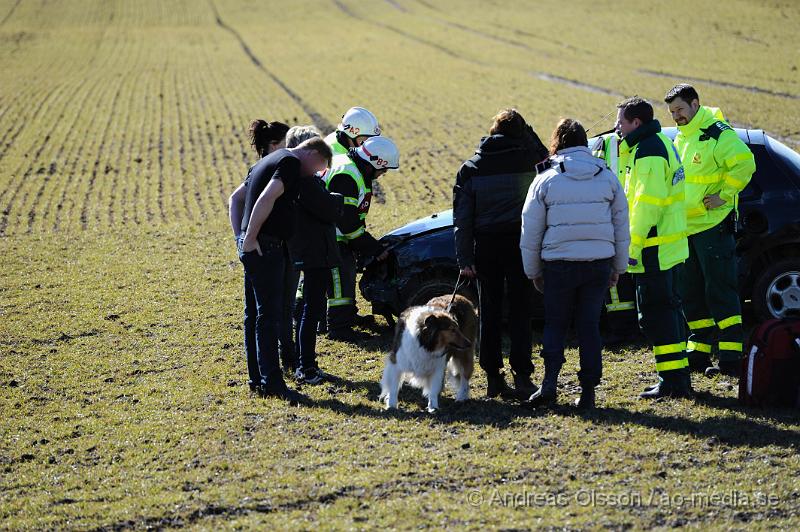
column 587, row 399
column 699, row 362
column 523, row 386
column 731, row 368
column 673, row 384
column 546, row 395
column 346, row 334
column 496, row 385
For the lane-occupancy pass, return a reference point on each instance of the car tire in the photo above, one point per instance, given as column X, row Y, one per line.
column 423, row 290
column 776, row 291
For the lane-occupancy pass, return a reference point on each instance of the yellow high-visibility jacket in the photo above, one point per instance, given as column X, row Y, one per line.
column 715, row 160
column 653, row 180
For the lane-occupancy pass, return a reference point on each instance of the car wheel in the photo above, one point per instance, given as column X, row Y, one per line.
column 426, row 289
column 776, row 292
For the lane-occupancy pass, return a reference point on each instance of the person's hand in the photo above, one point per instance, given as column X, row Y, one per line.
column 614, row 280
column 382, row 256
column 249, row 244
column 538, row 283
column 712, row 201
column 469, row 272
column 633, row 262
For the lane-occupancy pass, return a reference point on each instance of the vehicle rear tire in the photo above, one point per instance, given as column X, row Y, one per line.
column 776, row 292
column 425, row 289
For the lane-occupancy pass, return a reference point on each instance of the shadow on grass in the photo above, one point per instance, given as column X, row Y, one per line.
column 413, row 405
column 723, row 429
column 727, row 429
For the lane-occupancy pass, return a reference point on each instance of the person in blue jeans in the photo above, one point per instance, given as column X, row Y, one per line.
column 267, row 223
column 574, row 245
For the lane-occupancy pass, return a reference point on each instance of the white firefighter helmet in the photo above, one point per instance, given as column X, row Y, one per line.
column 357, row 121
column 380, row 152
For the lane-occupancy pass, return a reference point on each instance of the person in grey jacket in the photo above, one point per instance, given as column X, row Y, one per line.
column 574, row 245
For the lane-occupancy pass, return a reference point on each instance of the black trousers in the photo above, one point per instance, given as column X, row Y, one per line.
column 499, row 264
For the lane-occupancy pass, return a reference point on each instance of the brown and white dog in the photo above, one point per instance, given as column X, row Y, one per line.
column 424, row 337
column 460, row 362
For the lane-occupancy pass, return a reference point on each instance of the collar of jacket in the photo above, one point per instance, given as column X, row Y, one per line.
column 366, row 169
column 642, row 132
column 704, row 117
column 497, row 144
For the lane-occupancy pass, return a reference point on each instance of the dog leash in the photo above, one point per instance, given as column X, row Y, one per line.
column 458, row 285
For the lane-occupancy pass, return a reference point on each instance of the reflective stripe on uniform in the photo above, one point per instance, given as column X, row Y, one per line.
column 700, row 347
column 657, row 240
column 730, row 346
column 351, row 201
column 659, row 202
column 337, row 283
column 669, row 348
column 701, row 324
column 340, row 301
column 672, row 365
column 728, row 322
column 616, row 307
column 704, row 179
column 735, row 183
column 350, row 236
column 731, row 161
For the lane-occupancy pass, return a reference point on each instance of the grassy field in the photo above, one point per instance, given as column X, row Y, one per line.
column 123, row 401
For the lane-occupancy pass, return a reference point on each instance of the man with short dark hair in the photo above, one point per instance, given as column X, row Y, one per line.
column 266, row 225
column 718, row 165
column 653, row 183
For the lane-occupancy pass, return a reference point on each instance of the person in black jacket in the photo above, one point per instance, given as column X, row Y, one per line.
column 314, row 251
column 267, row 223
column 487, row 206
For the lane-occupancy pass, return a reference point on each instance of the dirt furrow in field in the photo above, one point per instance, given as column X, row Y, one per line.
column 10, row 12
column 722, row 84
column 320, row 121
column 544, row 76
column 214, row 144
column 92, row 198
column 20, row 192
column 419, row 40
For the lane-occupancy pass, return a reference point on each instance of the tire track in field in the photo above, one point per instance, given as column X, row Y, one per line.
column 544, row 76
column 452, row 53
column 722, row 84
column 317, row 118
column 397, row 5
column 10, row 12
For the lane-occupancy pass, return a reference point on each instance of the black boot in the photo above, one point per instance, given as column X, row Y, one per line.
column 496, row 385
column 587, row 399
column 546, row 395
column 699, row 362
column 523, row 386
column 731, row 368
column 346, row 334
column 673, row 384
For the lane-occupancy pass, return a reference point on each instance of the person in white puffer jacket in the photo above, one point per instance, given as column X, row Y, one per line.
column 574, row 245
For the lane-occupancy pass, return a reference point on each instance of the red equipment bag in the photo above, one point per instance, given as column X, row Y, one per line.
column 771, row 366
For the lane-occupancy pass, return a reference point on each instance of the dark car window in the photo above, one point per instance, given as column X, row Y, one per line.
column 765, row 175
column 787, row 159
